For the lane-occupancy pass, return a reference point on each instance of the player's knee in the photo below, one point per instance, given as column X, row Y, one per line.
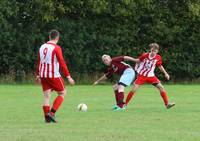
column 62, row 93
column 115, row 87
column 134, row 89
column 121, row 88
column 161, row 88
column 46, row 96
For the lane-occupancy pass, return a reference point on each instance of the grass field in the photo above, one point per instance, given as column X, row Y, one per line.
column 21, row 117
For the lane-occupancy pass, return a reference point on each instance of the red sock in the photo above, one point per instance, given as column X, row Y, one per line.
column 129, row 96
column 116, row 96
column 57, row 102
column 120, row 99
column 46, row 109
column 164, row 97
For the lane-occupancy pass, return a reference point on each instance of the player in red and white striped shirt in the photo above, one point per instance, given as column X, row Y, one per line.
column 145, row 69
column 50, row 62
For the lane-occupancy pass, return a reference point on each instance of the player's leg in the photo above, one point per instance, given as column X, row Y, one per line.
column 121, row 88
column 56, row 105
column 156, row 82
column 46, row 104
column 163, row 94
column 46, row 94
column 57, row 85
column 115, row 89
column 126, row 80
column 58, row 101
column 138, row 82
column 131, row 93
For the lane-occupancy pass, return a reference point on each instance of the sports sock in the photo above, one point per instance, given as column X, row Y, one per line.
column 129, row 96
column 116, row 96
column 120, row 99
column 164, row 97
column 46, row 110
column 56, row 104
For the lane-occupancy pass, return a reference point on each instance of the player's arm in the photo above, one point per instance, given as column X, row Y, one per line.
column 118, row 59
column 128, row 58
column 63, row 66
column 37, row 77
column 162, row 69
column 100, row 79
column 107, row 74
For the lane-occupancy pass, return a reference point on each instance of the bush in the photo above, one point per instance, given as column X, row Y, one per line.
column 92, row 28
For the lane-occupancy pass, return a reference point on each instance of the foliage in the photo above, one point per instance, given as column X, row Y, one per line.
column 92, row 28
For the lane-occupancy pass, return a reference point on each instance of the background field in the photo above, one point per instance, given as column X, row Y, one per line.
column 145, row 120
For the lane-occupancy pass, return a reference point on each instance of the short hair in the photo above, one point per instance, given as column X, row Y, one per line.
column 53, row 34
column 154, row 45
column 105, row 55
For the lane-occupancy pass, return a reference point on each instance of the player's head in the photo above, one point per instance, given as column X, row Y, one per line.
column 54, row 35
column 106, row 59
column 154, row 48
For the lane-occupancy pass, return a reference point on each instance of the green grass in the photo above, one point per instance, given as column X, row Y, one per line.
column 21, row 117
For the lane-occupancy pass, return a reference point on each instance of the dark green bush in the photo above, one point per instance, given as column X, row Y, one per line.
column 92, row 28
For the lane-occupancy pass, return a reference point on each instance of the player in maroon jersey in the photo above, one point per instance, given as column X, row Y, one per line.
column 147, row 63
column 50, row 61
column 117, row 66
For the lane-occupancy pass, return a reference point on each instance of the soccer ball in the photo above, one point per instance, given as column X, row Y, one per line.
column 82, row 107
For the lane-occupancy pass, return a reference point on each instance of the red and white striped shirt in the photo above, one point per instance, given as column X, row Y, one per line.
column 50, row 60
column 147, row 64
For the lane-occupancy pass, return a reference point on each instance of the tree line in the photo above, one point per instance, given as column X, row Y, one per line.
column 91, row 28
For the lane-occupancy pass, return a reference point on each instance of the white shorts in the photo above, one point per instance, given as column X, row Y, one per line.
column 127, row 77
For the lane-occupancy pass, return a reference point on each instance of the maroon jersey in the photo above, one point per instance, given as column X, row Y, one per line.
column 117, row 66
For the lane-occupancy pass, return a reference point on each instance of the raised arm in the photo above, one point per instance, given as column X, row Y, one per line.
column 162, row 69
column 100, row 79
column 128, row 58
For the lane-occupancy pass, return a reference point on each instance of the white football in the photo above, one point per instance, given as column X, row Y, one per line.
column 82, row 107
